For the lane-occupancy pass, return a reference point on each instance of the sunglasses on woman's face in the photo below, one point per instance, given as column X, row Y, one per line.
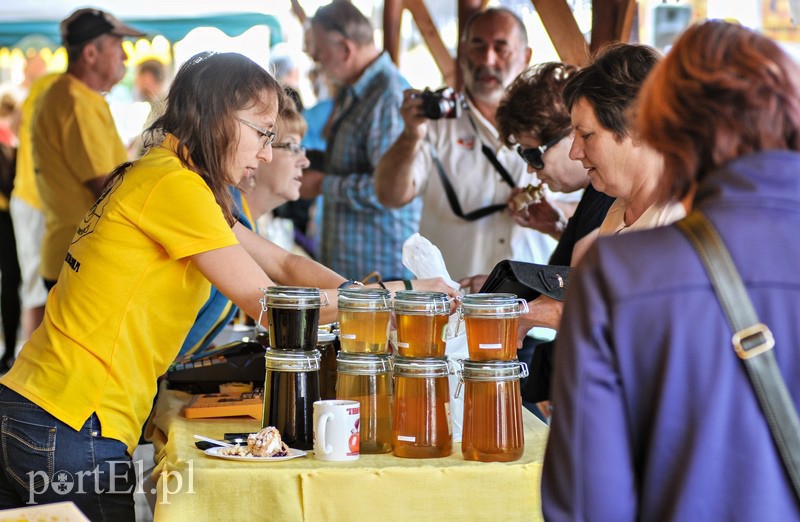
column 534, row 156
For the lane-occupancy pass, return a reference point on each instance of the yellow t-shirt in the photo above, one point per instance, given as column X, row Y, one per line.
column 74, row 141
column 25, row 182
column 126, row 299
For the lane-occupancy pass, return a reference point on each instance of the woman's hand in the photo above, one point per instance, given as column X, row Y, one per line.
column 542, row 311
column 473, row 284
column 544, row 217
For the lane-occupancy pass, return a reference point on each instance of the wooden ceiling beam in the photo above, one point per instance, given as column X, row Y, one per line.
column 612, row 21
column 563, row 30
column 392, row 18
column 444, row 60
column 298, row 12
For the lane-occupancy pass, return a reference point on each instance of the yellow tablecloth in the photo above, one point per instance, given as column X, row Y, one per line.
column 194, row 487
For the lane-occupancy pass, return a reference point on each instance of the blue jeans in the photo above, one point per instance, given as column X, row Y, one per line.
column 43, row 461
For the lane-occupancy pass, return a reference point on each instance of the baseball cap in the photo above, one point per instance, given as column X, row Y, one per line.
column 85, row 24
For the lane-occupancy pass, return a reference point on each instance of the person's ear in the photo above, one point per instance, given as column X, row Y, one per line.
column 528, row 54
column 349, row 48
column 89, row 52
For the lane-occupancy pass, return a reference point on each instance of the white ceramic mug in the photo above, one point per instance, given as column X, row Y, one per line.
column 336, row 435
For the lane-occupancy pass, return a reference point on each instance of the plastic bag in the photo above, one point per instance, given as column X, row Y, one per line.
column 425, row 260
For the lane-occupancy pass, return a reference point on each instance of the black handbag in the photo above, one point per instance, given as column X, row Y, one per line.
column 752, row 341
column 527, row 280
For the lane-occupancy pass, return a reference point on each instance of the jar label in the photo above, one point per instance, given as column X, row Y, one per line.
column 449, row 418
column 402, row 345
column 406, row 438
column 348, row 336
column 492, row 346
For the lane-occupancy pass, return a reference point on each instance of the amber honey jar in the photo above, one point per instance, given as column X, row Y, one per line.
column 421, row 322
column 492, row 321
column 293, row 316
column 421, row 424
column 367, row 378
column 364, row 315
column 492, row 428
column 291, row 386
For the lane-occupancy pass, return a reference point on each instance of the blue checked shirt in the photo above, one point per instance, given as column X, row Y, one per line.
column 359, row 234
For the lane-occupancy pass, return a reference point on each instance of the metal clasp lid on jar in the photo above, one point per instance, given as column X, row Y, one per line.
column 363, row 363
column 295, row 297
column 422, row 367
column 490, row 371
column 292, row 361
column 420, row 302
column 360, row 299
column 492, row 305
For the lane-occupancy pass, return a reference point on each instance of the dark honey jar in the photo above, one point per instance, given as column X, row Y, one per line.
column 293, row 316
column 291, row 387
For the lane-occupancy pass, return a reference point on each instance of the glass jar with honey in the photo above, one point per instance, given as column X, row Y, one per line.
column 492, row 428
column 367, row 378
column 421, row 322
column 421, row 424
column 291, row 386
column 364, row 315
column 492, row 321
column 293, row 316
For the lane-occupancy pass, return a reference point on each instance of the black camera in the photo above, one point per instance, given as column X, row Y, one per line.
column 444, row 103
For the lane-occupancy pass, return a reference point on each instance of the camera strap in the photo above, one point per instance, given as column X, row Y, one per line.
column 491, row 156
column 453, row 199
column 450, row 191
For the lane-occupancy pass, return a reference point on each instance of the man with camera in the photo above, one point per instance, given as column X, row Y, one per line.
column 450, row 154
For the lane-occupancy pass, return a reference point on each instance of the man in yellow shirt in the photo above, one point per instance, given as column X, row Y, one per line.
column 26, row 214
column 75, row 141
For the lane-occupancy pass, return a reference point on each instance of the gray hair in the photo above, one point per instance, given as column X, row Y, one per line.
column 344, row 18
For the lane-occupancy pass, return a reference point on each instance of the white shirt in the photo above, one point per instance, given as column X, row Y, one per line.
column 473, row 247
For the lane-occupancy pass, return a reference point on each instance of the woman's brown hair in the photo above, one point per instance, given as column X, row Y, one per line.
column 533, row 104
column 722, row 92
column 201, row 113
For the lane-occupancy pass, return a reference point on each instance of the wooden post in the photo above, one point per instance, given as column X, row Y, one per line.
column 433, row 40
column 298, row 12
column 611, row 22
column 563, row 30
column 392, row 17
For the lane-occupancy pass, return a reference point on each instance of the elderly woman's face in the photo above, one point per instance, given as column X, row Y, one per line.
column 610, row 164
column 560, row 172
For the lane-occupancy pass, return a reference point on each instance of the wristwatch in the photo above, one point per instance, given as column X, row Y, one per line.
column 350, row 283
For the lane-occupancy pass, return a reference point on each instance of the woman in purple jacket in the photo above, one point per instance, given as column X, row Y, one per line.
column 654, row 416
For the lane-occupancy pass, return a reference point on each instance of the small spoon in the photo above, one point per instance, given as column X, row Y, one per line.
column 214, row 441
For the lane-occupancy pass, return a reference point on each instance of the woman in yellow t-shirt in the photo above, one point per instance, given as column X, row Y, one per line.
column 138, row 270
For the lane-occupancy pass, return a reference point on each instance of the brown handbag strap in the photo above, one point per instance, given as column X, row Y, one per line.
column 752, row 340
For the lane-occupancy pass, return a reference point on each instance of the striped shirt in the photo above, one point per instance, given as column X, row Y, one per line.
column 359, row 234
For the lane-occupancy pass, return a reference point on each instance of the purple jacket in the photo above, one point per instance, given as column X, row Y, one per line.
column 654, row 416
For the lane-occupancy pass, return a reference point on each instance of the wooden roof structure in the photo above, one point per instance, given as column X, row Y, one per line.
column 611, row 21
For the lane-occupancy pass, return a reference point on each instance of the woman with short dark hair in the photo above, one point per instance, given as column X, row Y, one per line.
column 654, row 414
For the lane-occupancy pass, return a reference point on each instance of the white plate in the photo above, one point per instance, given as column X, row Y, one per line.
column 216, row 452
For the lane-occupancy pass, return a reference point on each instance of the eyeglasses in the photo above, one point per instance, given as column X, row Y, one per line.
column 267, row 136
column 294, row 148
column 535, row 156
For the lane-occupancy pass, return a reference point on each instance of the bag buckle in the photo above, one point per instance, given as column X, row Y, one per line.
column 748, row 336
